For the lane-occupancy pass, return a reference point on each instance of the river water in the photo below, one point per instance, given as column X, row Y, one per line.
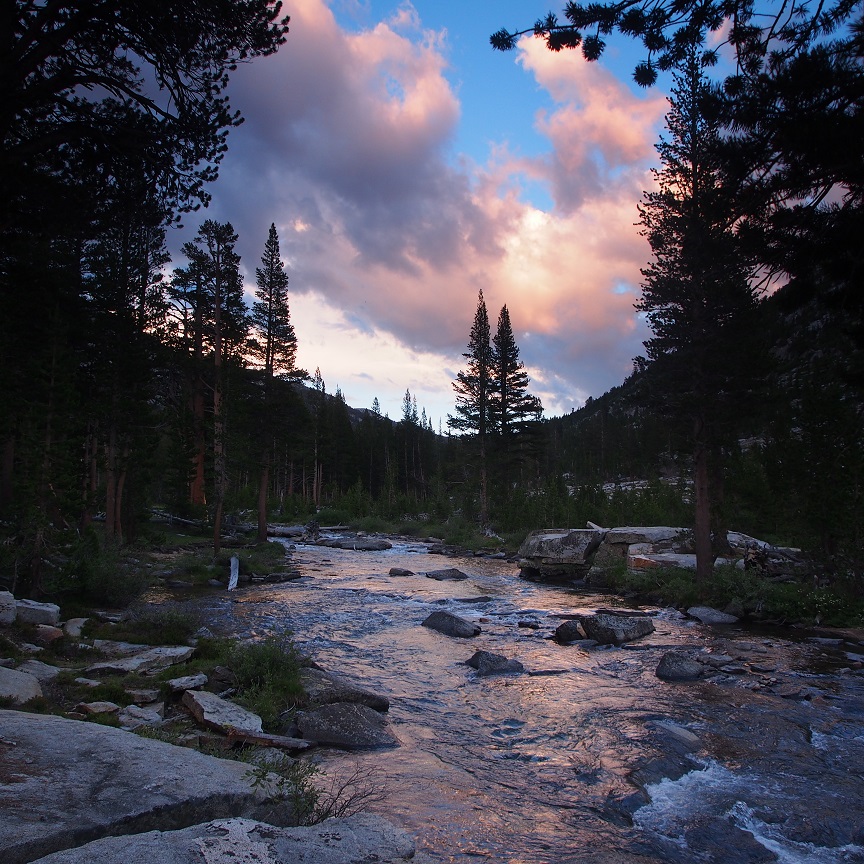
column 586, row 757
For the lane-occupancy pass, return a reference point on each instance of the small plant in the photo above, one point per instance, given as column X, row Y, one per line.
column 346, row 793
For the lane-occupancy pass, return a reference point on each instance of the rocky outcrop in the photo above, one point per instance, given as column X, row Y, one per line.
column 615, row 629
column 64, row 783
column 347, row 725
column 451, row 625
column 560, row 554
column 354, row 840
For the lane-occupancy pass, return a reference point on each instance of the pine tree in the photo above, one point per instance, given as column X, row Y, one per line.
column 274, row 347
column 696, row 292
column 472, row 387
column 512, row 408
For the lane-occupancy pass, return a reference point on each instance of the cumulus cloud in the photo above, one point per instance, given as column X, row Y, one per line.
column 348, row 147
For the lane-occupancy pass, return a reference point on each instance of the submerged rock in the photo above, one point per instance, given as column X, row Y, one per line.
column 450, row 574
column 487, row 663
column 451, row 625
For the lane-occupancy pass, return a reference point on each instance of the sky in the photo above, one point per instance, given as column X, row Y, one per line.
column 408, row 166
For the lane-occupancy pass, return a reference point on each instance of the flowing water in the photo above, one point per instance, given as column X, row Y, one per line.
column 587, row 756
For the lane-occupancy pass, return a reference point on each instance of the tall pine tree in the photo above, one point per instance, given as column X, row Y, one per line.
column 473, row 390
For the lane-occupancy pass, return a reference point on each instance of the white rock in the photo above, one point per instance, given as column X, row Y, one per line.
column 8, row 609
column 187, row 682
column 18, row 686
column 216, row 713
column 31, row 612
column 156, row 658
column 73, row 626
column 42, row 671
column 132, row 716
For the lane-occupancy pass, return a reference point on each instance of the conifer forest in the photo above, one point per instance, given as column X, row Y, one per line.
column 133, row 384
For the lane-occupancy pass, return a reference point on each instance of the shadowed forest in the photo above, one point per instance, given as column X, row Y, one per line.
column 132, row 384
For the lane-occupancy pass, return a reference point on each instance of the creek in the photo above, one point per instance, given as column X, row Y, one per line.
column 587, row 756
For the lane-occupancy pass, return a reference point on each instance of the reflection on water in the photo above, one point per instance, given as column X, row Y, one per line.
column 547, row 766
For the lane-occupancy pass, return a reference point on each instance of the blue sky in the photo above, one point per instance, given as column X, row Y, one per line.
column 407, row 165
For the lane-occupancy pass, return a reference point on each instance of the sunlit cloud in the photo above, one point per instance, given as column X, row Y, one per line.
column 388, row 237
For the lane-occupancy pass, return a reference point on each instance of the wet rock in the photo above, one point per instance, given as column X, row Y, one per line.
column 685, row 740
column 31, row 612
column 486, row 663
column 568, row 631
column 326, row 688
column 719, row 840
column 451, row 625
column 20, row 687
column 451, row 574
column 156, row 658
column 707, row 615
column 351, row 840
column 400, row 571
column 678, row 666
column 615, row 629
column 347, row 725
column 8, row 608
column 211, row 711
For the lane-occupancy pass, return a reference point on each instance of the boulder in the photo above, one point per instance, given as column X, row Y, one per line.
column 154, row 659
column 46, row 634
column 450, row 574
column 31, row 612
column 568, row 631
column 133, row 716
column 400, row 571
column 707, row 615
column 212, row 711
column 347, row 725
column 325, row 688
column 352, row 840
column 616, row 629
column 39, row 670
column 451, row 625
column 20, row 687
column 678, row 666
column 187, row 682
column 558, row 553
column 487, row 663
column 64, row 783
column 73, row 627
column 8, row 608
column 655, row 534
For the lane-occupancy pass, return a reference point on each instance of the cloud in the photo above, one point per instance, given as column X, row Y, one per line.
column 348, row 146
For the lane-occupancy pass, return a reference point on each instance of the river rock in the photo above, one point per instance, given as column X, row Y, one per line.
column 352, row 840
column 450, row 574
column 400, row 571
column 74, row 782
column 568, row 631
column 325, row 688
column 155, row 658
column 451, row 625
column 39, row 670
column 8, row 608
column 346, row 725
column 678, row 666
column 487, row 663
column 558, row 552
column 216, row 713
column 31, row 612
column 616, row 629
column 20, row 687
column 707, row 615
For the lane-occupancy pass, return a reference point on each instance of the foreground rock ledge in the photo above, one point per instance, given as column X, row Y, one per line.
column 64, row 783
column 355, row 840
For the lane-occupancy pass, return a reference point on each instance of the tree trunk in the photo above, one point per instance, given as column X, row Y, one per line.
column 110, row 482
column 262, row 498
column 702, row 497
column 7, row 472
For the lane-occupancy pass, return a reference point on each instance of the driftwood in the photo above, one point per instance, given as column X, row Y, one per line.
column 264, row 739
